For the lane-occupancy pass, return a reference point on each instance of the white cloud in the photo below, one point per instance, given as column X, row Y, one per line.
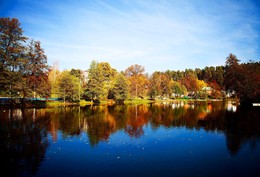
column 159, row 35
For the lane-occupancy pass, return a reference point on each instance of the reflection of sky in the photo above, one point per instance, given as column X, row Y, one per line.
column 160, row 152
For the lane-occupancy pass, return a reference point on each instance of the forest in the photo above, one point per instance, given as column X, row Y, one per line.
column 25, row 73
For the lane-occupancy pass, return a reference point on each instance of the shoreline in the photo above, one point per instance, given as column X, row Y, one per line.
column 83, row 103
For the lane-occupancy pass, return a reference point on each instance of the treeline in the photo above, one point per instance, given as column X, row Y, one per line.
column 23, row 64
column 25, row 73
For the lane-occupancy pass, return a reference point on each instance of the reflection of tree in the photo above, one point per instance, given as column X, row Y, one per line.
column 69, row 120
column 239, row 127
column 23, row 142
column 54, row 126
column 100, row 124
column 161, row 115
column 136, row 119
column 120, row 113
column 185, row 115
column 242, row 126
column 101, row 121
column 23, row 133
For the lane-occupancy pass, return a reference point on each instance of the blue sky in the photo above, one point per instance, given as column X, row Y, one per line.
column 157, row 34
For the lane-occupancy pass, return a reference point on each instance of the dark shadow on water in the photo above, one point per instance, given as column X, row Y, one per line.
column 23, row 142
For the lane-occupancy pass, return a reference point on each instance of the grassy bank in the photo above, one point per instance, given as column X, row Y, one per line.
column 82, row 103
column 138, row 101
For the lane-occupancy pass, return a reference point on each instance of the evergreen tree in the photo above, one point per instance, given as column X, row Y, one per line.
column 121, row 88
column 232, row 76
column 94, row 88
column 108, row 77
column 219, row 76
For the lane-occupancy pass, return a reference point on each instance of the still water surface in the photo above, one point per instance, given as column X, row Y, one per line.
column 218, row 139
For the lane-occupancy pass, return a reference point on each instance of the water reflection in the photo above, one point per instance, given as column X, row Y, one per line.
column 23, row 141
column 24, row 132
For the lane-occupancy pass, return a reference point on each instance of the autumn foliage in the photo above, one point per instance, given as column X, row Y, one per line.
column 24, row 73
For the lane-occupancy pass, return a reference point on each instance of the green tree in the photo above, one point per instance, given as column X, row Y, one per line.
column 199, row 73
column 232, row 77
column 178, row 89
column 76, row 72
column 180, row 75
column 12, row 52
column 80, row 75
column 219, row 76
column 94, row 88
column 207, row 74
column 108, row 78
column 121, row 89
column 68, row 86
column 154, row 86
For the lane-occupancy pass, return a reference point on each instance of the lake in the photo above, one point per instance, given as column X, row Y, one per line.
column 164, row 139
